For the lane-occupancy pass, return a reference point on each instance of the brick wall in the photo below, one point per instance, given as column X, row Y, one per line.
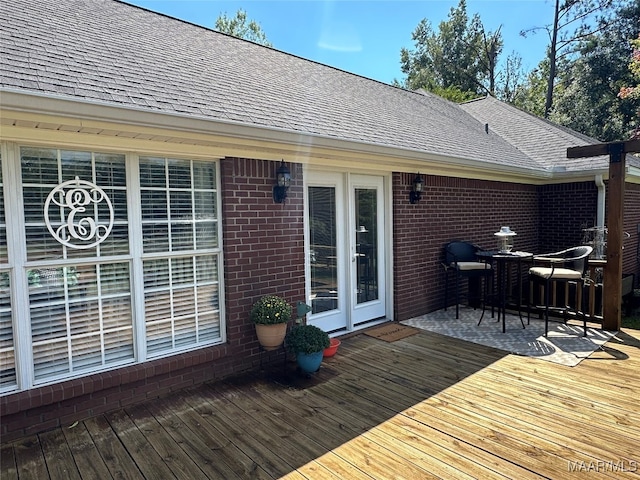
column 264, row 253
column 263, row 242
column 630, row 261
column 451, row 209
column 565, row 210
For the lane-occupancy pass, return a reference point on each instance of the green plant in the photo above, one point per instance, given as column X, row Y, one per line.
column 632, row 322
column 633, row 319
column 306, row 339
column 269, row 310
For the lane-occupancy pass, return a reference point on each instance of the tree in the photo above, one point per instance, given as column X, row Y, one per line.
column 632, row 93
column 531, row 96
column 458, row 60
column 238, row 27
column 510, row 81
column 573, row 22
column 587, row 95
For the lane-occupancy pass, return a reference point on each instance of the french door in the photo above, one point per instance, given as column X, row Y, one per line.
column 346, row 248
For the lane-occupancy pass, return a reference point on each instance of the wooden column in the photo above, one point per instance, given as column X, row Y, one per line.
column 612, row 284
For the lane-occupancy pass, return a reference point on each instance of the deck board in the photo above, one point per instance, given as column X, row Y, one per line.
column 426, row 406
column 7, row 462
column 85, row 453
column 141, row 450
column 117, row 459
column 176, row 459
column 58, row 456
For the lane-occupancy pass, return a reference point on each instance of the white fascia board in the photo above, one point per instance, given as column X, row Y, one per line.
column 299, row 144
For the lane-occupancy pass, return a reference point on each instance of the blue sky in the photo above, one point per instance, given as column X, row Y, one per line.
column 365, row 36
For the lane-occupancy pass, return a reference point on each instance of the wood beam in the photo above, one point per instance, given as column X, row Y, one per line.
column 630, row 146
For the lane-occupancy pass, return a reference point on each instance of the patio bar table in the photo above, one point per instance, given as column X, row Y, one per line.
column 502, row 259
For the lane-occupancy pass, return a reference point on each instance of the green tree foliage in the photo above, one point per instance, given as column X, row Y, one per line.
column 510, row 79
column 631, row 93
column 530, row 97
column 574, row 22
column 240, row 27
column 587, row 96
column 457, row 61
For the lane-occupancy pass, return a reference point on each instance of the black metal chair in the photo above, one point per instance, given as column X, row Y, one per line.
column 461, row 262
column 568, row 267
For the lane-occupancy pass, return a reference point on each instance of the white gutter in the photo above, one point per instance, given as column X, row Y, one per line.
column 302, row 142
column 600, row 210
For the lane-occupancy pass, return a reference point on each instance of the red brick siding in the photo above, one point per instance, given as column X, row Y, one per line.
column 263, row 242
column 264, row 253
column 630, row 262
column 451, row 209
column 565, row 210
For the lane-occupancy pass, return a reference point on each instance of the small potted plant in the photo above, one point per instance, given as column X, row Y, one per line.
column 270, row 314
column 308, row 343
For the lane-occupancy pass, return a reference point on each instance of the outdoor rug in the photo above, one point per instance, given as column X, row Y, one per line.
column 564, row 344
column 390, row 332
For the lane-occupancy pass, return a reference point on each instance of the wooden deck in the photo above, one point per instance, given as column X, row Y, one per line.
column 424, row 407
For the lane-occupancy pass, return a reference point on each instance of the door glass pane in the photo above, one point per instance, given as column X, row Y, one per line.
column 323, row 240
column 366, row 244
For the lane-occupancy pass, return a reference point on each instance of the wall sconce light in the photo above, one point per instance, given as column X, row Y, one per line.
column 283, row 180
column 416, row 192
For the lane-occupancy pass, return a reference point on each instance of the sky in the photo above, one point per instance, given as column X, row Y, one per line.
column 365, row 37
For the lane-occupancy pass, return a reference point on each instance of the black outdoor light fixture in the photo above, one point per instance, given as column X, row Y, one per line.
column 283, row 180
column 416, row 192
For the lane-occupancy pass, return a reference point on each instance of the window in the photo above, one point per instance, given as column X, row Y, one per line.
column 79, row 288
column 7, row 352
column 91, row 250
column 180, row 236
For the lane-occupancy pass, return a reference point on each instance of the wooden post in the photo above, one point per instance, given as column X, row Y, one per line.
column 612, row 284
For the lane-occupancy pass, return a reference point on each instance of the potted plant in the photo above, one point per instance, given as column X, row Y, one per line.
column 308, row 343
column 270, row 315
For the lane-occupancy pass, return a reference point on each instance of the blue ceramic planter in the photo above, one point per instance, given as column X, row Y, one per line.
column 309, row 362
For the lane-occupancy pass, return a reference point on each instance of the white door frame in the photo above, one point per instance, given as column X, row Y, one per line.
column 342, row 319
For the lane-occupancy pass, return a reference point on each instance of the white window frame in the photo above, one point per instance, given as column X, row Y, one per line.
column 11, row 170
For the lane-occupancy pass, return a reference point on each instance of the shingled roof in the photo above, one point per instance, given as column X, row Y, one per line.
column 109, row 52
column 525, row 131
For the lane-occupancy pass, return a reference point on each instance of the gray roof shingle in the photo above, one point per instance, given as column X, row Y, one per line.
column 113, row 52
column 525, row 131
column 109, row 51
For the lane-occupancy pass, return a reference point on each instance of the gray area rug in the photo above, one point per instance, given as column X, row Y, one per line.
column 565, row 343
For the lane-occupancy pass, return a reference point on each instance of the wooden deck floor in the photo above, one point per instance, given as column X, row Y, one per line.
column 424, row 407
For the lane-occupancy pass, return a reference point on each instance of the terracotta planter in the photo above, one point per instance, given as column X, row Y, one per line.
column 271, row 336
column 333, row 348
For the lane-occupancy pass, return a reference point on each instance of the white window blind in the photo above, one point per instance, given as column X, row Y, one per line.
column 77, row 315
column 180, row 243
column 79, row 303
